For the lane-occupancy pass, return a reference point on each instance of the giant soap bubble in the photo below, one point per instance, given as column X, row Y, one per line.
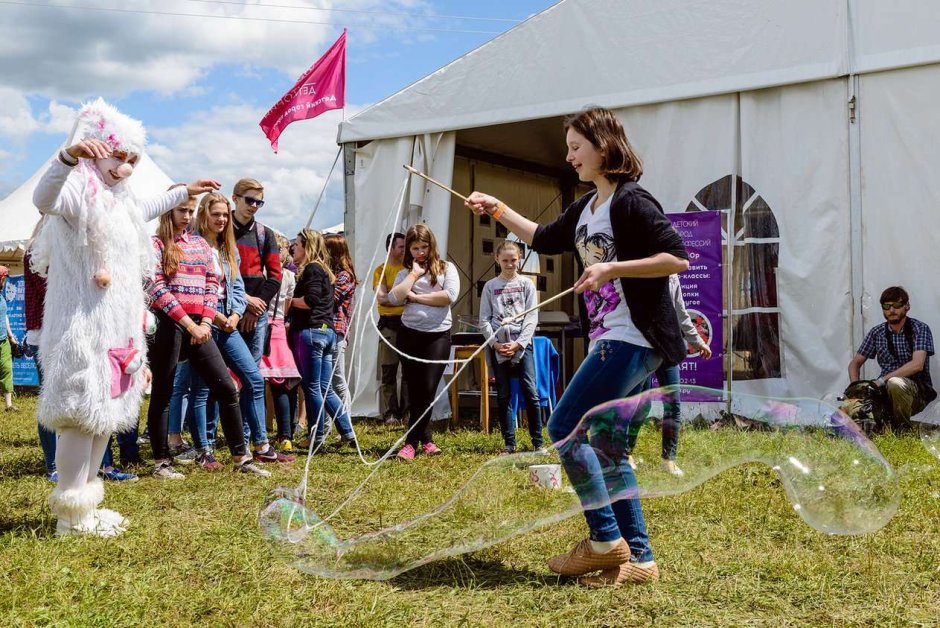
column 833, row 476
column 928, row 424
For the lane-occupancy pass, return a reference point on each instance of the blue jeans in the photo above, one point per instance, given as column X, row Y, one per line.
column 503, row 371
column 285, row 405
column 672, row 422
column 611, row 370
column 179, row 399
column 238, row 358
column 47, row 438
column 128, row 448
column 313, row 352
column 255, row 339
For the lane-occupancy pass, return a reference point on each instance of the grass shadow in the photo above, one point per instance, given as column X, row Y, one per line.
column 27, row 525
column 473, row 573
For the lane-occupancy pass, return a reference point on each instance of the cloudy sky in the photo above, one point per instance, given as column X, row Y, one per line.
column 202, row 73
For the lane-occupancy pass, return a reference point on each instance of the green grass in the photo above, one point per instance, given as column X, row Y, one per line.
column 732, row 551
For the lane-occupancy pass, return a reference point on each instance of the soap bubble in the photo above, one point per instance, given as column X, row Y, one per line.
column 833, row 476
column 928, row 424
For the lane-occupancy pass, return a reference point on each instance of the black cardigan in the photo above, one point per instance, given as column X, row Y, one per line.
column 317, row 292
column 640, row 230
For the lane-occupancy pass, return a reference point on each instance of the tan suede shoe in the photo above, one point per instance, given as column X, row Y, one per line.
column 626, row 573
column 582, row 559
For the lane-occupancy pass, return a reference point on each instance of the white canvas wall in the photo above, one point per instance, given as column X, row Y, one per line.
column 900, row 156
column 378, row 191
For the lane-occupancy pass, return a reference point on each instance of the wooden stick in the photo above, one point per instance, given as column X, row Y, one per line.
column 511, row 319
column 437, row 183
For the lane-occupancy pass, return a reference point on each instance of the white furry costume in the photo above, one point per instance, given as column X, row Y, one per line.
column 90, row 226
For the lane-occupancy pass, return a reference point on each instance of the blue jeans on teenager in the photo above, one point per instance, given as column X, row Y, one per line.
column 255, row 339
column 610, row 371
column 503, row 371
column 47, row 438
column 313, row 352
column 179, row 399
column 238, row 358
column 672, row 422
column 128, row 448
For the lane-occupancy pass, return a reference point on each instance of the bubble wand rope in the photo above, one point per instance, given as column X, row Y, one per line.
column 313, row 448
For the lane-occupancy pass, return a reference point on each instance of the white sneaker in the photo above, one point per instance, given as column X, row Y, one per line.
column 250, row 467
column 669, row 466
column 632, row 462
column 164, row 471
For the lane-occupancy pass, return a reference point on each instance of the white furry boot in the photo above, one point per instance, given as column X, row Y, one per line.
column 75, row 511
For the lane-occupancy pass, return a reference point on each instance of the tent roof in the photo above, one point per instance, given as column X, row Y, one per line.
column 18, row 215
column 618, row 54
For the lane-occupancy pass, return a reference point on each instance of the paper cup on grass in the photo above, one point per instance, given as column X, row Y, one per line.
column 545, row 475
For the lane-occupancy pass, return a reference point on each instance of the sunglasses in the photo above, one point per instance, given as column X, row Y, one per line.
column 254, row 202
column 896, row 305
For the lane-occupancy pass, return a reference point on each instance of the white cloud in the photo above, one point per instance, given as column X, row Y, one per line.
column 69, row 53
column 17, row 121
column 16, row 116
column 226, row 143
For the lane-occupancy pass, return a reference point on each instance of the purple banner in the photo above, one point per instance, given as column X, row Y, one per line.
column 701, row 290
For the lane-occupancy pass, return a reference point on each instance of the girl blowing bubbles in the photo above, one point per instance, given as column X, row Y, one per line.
column 628, row 248
column 505, row 296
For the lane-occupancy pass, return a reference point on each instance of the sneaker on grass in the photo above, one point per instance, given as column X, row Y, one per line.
column 178, row 450
column 272, row 455
column 250, row 467
column 187, row 457
column 208, row 462
column 113, row 474
column 164, row 471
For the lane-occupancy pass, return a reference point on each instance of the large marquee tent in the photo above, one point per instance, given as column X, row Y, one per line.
column 810, row 124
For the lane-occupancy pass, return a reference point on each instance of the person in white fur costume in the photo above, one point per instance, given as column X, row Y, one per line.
column 96, row 252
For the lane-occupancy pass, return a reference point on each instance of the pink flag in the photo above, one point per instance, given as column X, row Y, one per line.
column 321, row 88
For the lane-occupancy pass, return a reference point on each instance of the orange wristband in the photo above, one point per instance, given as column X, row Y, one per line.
column 500, row 208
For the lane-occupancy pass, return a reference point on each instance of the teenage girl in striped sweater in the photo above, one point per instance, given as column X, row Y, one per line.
column 185, row 297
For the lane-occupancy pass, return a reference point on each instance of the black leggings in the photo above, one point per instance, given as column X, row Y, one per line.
column 169, row 344
column 422, row 379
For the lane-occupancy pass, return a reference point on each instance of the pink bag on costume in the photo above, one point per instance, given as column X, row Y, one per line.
column 124, row 363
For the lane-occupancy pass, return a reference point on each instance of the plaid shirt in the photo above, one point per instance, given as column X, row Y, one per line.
column 35, row 291
column 344, row 293
column 876, row 341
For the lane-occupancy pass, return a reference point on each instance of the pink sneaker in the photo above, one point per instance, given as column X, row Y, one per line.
column 430, row 449
column 407, row 453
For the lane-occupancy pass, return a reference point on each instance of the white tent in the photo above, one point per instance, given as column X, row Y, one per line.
column 18, row 215
column 811, row 124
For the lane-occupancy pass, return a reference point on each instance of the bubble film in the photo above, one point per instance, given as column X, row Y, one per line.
column 836, row 480
column 928, row 424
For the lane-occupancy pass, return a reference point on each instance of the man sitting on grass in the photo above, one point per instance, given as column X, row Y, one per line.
column 902, row 347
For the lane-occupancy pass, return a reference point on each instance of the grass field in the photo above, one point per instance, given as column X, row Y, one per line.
column 731, row 551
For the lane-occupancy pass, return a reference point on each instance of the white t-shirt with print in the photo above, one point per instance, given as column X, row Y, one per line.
column 608, row 314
